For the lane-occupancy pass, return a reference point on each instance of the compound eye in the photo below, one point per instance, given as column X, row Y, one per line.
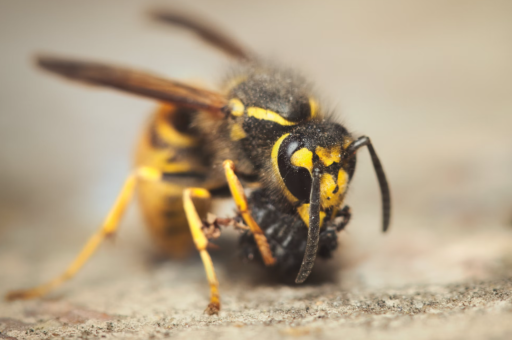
column 295, row 164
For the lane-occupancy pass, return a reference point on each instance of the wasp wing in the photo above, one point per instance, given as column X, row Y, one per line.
column 205, row 31
column 136, row 82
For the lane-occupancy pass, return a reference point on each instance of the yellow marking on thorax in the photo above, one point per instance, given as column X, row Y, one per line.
column 303, row 211
column 236, row 107
column 167, row 132
column 342, row 180
column 263, row 114
column 329, row 156
column 303, row 158
column 275, row 168
column 237, row 132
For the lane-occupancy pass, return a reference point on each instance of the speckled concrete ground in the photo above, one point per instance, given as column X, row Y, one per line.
column 430, row 82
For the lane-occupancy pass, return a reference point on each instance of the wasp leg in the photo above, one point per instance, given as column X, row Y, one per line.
column 237, row 191
column 108, row 228
column 345, row 214
column 201, row 243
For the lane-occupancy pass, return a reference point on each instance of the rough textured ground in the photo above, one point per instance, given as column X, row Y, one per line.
column 429, row 82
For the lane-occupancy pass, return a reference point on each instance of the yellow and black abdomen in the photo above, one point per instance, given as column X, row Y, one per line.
column 170, row 144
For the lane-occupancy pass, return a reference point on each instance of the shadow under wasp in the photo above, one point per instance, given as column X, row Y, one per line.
column 266, row 127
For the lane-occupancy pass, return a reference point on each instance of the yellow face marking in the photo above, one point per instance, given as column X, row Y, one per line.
column 237, row 132
column 332, row 191
column 303, row 158
column 303, row 211
column 342, row 180
column 236, row 107
column 275, row 168
column 263, row 114
column 329, row 156
column 313, row 105
column 327, row 187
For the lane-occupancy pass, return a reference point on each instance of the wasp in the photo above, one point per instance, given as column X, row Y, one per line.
column 266, row 129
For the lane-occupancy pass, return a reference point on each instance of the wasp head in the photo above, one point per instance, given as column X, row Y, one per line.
column 317, row 146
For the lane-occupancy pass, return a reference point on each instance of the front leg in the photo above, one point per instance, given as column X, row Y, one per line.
column 328, row 235
column 237, row 191
column 342, row 218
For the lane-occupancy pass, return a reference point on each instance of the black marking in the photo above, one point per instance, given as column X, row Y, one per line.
column 226, row 111
column 182, row 120
column 248, row 178
column 221, row 192
column 169, row 176
column 302, row 110
column 336, row 189
column 297, row 179
column 351, row 166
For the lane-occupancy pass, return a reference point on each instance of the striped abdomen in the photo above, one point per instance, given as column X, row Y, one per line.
column 170, row 144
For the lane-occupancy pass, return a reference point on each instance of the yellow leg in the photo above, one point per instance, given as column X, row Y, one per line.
column 108, row 228
column 237, row 191
column 201, row 243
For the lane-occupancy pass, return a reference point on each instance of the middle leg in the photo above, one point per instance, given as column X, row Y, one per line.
column 201, row 243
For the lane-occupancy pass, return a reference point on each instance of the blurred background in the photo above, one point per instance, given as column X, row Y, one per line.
column 429, row 81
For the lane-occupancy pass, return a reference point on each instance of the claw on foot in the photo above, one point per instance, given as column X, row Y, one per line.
column 213, row 308
column 19, row 295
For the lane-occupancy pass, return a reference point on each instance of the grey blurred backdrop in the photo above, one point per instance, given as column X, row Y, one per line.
column 429, row 81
